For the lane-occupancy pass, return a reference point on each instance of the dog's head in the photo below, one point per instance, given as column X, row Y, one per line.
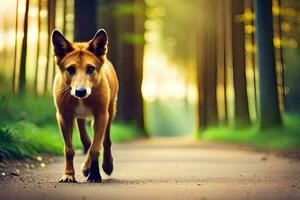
column 80, row 62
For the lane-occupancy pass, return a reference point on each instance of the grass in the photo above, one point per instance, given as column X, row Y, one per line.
column 28, row 127
column 287, row 137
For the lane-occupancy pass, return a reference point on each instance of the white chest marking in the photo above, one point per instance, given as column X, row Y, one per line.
column 82, row 111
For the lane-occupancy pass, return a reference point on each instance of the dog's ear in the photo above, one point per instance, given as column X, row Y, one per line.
column 61, row 45
column 98, row 45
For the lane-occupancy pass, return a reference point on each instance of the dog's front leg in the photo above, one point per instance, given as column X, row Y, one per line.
column 90, row 167
column 66, row 127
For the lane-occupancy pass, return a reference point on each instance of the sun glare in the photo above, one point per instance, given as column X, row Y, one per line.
column 161, row 79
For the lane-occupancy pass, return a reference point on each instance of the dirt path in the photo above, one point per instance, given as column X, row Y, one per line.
column 169, row 169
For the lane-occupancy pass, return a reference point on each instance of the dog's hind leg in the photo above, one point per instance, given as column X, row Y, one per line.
column 84, row 137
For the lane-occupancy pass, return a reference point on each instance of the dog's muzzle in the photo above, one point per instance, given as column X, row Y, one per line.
column 81, row 92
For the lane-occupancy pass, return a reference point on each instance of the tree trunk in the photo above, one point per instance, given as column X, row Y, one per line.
column 269, row 107
column 16, row 48
column 22, row 77
column 253, row 60
column 64, row 30
column 130, row 99
column 279, row 60
column 211, row 65
column 221, row 58
column 225, row 69
column 139, row 58
column 51, row 5
column 112, row 28
column 207, row 69
column 201, row 78
column 228, row 53
column 85, row 19
column 242, row 117
column 126, row 74
column 38, row 49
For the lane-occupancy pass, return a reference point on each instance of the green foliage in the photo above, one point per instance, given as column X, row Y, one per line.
column 28, row 127
column 123, row 132
column 23, row 139
column 275, row 138
column 37, row 110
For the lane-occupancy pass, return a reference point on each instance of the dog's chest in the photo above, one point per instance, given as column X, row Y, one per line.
column 82, row 111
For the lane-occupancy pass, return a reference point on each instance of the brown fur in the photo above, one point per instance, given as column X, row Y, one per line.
column 100, row 104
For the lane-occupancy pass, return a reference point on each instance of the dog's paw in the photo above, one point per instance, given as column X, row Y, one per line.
column 68, row 179
column 94, row 177
column 107, row 164
column 108, row 168
column 94, row 173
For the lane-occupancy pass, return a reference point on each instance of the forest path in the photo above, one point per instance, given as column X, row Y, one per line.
column 169, row 168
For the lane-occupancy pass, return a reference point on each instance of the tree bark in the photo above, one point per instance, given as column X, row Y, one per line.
column 254, row 61
column 64, row 17
column 16, row 48
column 221, row 57
column 269, row 106
column 51, row 5
column 225, row 27
column 207, row 69
column 139, row 58
column 112, row 28
column 211, row 65
column 201, row 79
column 130, row 101
column 280, row 70
column 85, row 19
column 38, row 49
column 22, row 77
column 241, row 112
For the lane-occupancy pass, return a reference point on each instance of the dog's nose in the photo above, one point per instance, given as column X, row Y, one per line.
column 80, row 92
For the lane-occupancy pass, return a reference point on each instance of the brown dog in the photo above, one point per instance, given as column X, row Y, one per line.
column 86, row 86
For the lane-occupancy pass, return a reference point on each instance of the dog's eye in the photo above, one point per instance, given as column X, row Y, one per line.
column 90, row 69
column 71, row 70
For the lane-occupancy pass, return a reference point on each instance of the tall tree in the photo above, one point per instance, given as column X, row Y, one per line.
column 269, row 106
column 51, row 6
column 130, row 73
column 201, row 78
column 241, row 109
column 139, row 58
column 211, row 64
column 279, row 52
column 125, row 29
column 38, row 48
column 109, row 10
column 221, row 54
column 22, row 76
column 85, row 19
column 207, row 69
column 64, row 28
column 16, row 48
column 250, row 5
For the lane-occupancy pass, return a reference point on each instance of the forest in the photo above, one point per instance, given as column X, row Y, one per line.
column 219, row 70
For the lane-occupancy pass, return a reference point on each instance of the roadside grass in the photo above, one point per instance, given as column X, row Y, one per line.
column 28, row 127
column 287, row 137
